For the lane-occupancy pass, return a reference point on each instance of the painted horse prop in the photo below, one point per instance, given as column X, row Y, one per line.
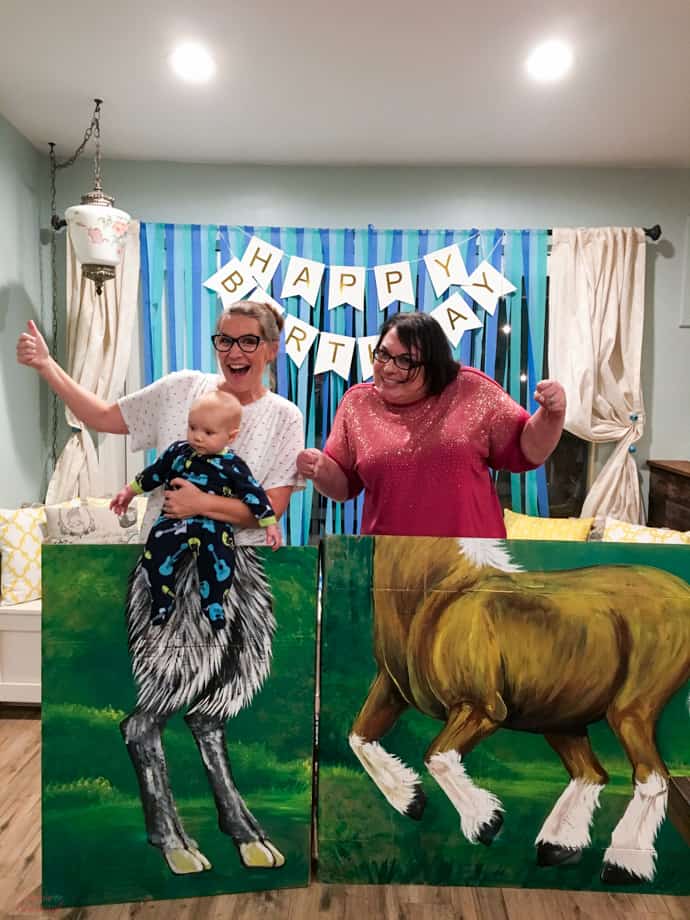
column 465, row 636
column 187, row 665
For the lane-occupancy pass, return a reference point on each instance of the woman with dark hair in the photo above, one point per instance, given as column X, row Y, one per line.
column 422, row 439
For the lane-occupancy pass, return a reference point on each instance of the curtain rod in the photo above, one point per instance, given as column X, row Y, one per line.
column 654, row 233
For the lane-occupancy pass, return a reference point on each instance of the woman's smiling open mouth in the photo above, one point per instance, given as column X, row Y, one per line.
column 239, row 370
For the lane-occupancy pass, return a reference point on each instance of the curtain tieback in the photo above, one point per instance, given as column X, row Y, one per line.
column 635, row 431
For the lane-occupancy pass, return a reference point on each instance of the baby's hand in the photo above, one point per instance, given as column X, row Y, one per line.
column 274, row 537
column 122, row 500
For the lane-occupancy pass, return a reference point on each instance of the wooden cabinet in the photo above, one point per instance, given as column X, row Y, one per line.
column 669, row 494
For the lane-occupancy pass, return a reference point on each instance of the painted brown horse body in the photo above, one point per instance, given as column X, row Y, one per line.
column 465, row 636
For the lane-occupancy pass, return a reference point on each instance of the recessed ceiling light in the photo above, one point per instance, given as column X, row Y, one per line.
column 192, row 62
column 550, row 61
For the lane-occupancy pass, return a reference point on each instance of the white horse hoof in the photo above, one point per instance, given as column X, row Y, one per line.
column 200, row 856
column 185, row 862
column 261, row 854
column 277, row 855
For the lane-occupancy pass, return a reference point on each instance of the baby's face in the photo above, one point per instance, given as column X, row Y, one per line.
column 207, row 430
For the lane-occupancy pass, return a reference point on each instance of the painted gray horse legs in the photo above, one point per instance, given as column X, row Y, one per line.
column 234, row 818
column 142, row 734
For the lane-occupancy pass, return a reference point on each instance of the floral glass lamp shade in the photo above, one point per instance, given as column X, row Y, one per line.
column 97, row 229
column 98, row 232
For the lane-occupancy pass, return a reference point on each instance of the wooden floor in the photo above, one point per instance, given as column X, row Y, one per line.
column 20, row 875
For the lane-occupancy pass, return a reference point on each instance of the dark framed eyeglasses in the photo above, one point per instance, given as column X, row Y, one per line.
column 246, row 343
column 405, row 361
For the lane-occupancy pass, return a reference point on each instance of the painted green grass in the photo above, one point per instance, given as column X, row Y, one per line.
column 95, row 847
column 363, row 840
column 94, row 842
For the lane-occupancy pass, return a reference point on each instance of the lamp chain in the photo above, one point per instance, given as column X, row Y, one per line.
column 94, row 126
column 54, row 344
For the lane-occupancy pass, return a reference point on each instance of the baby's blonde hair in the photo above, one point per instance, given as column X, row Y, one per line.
column 227, row 405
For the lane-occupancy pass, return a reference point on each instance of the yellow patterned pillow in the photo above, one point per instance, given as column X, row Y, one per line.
column 21, row 535
column 526, row 527
column 625, row 532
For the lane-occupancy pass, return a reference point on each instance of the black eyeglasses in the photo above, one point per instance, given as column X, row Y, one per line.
column 246, row 343
column 404, row 362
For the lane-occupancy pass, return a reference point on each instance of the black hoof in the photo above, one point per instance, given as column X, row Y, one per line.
column 551, row 854
column 488, row 831
column 415, row 809
column 617, row 875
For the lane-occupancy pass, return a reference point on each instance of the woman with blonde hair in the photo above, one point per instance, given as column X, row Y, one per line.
column 210, row 674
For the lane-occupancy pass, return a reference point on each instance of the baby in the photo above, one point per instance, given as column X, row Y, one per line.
column 205, row 460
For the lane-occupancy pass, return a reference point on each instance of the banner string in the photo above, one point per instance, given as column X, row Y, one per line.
column 371, row 268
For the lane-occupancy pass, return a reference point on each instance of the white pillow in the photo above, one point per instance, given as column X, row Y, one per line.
column 91, row 521
column 626, row 532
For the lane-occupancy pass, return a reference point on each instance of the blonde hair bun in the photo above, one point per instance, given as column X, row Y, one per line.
column 265, row 314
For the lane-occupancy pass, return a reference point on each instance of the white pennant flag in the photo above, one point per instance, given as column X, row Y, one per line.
column 394, row 282
column 262, row 260
column 299, row 337
column 486, row 285
column 455, row 317
column 232, row 281
column 446, row 267
column 365, row 348
column 262, row 296
column 334, row 354
column 303, row 277
column 346, row 285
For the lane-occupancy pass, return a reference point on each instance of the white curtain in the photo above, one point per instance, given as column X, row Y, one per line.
column 596, row 315
column 99, row 340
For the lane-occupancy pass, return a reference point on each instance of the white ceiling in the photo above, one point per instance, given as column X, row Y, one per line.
column 378, row 82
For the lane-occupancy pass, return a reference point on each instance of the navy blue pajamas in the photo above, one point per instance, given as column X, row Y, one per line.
column 211, row 542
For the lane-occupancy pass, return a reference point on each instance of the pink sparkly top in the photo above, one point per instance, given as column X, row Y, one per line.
column 425, row 466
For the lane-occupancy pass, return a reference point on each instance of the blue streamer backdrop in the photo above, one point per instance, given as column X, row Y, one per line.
column 179, row 315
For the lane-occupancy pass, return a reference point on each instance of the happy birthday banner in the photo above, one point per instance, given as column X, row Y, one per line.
column 252, row 275
column 179, row 314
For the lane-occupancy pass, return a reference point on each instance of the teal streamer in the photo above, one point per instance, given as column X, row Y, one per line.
column 180, row 299
column 188, row 299
column 410, row 253
column 157, row 274
column 535, row 480
column 212, row 301
column 513, row 271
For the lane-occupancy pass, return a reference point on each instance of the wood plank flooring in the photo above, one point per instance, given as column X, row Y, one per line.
column 20, row 876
